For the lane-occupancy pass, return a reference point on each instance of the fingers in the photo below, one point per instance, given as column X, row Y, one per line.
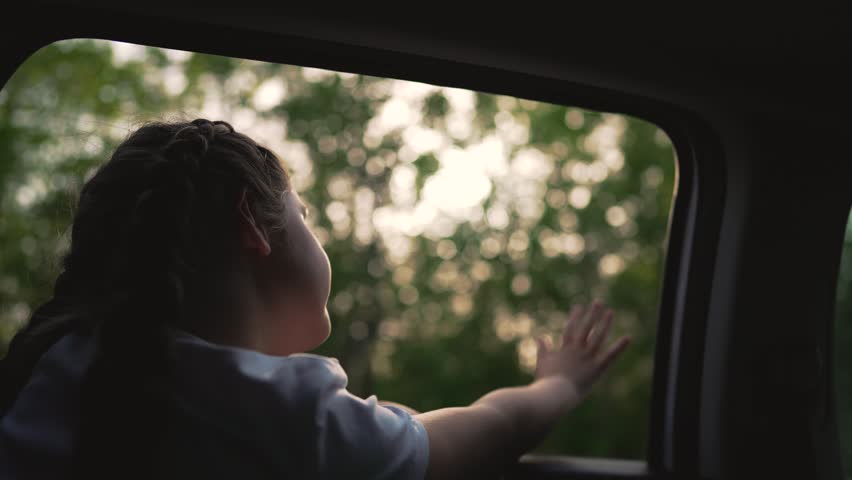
column 539, row 343
column 572, row 325
column 544, row 344
column 613, row 352
column 598, row 334
column 594, row 317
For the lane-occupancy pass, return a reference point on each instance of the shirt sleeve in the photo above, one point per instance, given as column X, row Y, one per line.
column 359, row 438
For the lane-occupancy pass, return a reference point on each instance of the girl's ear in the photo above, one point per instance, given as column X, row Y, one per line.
column 251, row 236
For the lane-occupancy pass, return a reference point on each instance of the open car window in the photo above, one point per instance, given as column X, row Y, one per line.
column 459, row 224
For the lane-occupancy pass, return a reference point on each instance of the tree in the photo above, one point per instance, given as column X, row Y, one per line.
column 459, row 224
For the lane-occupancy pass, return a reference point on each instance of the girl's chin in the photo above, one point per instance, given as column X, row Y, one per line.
column 326, row 328
column 304, row 339
column 319, row 333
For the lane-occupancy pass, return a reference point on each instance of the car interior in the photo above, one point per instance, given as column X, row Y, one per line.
column 745, row 373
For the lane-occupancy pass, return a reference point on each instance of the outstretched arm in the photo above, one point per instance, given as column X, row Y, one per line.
column 480, row 440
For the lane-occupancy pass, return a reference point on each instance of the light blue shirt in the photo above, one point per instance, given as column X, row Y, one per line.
column 243, row 415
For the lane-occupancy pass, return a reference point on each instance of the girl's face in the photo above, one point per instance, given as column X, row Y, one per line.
column 299, row 315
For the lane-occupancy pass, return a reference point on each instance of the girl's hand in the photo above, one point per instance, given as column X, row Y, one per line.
column 580, row 361
column 494, row 431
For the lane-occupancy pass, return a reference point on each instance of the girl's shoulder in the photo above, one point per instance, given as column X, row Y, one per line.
column 290, row 379
column 252, row 361
column 210, row 377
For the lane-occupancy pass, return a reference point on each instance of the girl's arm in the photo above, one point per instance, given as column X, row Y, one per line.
column 480, row 440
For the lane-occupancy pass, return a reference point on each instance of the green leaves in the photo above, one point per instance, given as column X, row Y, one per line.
column 430, row 307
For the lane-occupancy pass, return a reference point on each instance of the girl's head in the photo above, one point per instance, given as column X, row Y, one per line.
column 194, row 225
column 189, row 225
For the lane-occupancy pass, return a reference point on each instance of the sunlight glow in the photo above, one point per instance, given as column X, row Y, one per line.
column 461, row 305
column 402, row 189
column 652, row 177
column 176, row 56
column 123, row 53
column 314, row 75
column 408, row 295
column 521, row 284
column 611, row 264
column 481, row 271
column 462, row 111
column 445, row 275
column 446, row 249
column 460, row 183
column 174, row 80
column 616, row 216
column 340, row 186
column 580, row 197
column 572, row 243
column 490, row 246
column 574, row 118
column 527, row 354
column 364, row 200
column 497, row 216
column 269, row 94
column 32, row 191
column 422, row 140
column 509, row 327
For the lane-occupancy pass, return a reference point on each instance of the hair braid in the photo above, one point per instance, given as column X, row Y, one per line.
column 152, row 227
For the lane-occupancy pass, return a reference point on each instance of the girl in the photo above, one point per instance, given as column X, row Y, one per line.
column 174, row 345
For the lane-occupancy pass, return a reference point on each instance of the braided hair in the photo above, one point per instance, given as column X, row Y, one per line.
column 153, row 232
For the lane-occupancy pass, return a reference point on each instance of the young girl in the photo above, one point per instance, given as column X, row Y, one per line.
column 174, row 345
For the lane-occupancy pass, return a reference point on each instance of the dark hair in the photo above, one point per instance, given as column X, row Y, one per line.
column 153, row 228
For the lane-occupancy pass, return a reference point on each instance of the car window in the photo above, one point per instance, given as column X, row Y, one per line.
column 459, row 224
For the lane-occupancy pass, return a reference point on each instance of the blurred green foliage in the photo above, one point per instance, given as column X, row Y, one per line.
column 843, row 351
column 572, row 204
